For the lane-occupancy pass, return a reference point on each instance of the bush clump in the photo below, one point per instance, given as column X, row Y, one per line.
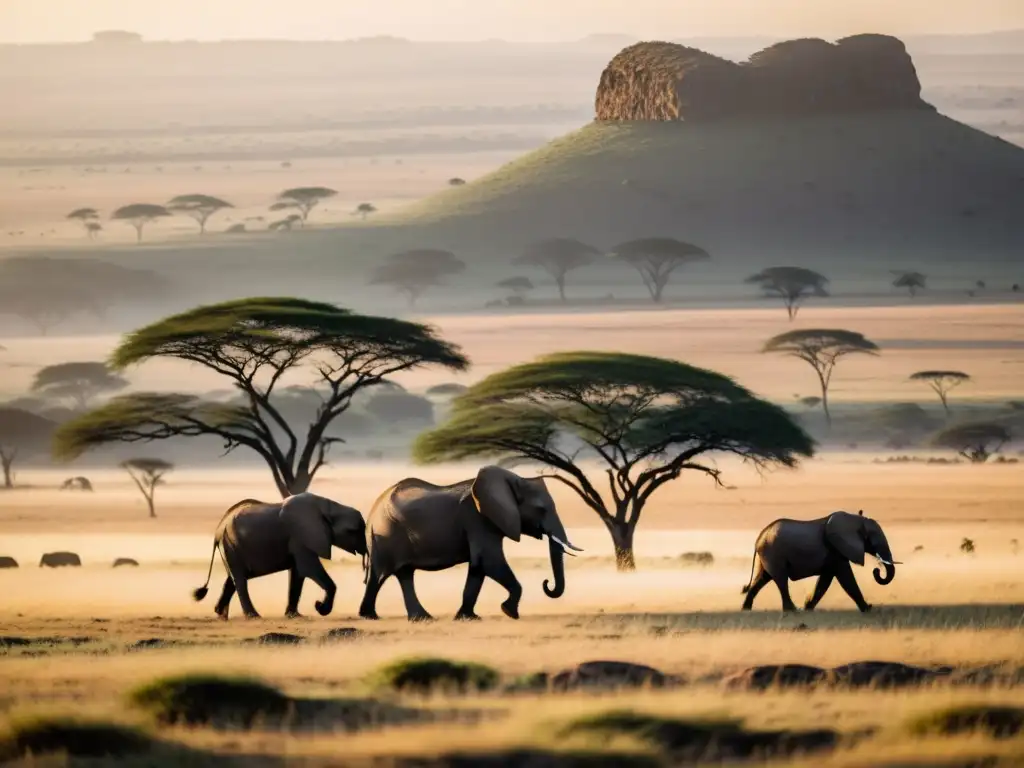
column 432, row 675
column 996, row 721
column 700, row 739
column 206, row 699
column 70, row 736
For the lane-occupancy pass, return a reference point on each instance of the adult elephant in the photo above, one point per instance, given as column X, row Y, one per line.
column 257, row 538
column 415, row 525
column 59, row 559
column 795, row 549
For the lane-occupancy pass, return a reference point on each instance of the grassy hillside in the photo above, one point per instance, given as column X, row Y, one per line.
column 836, row 193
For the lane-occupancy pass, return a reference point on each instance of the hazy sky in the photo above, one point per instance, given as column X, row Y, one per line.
column 60, row 20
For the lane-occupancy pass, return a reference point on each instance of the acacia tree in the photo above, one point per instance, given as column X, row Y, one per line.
column 912, row 281
column 88, row 219
column 253, row 343
column 793, row 285
column 416, row 271
column 79, row 382
column 139, row 215
column 646, row 419
column 656, row 258
column 519, row 285
column 821, row 348
column 558, row 256
column 147, row 474
column 199, row 207
column 22, row 433
column 456, row 181
column 942, row 382
column 303, row 199
column 364, row 210
column 975, row 441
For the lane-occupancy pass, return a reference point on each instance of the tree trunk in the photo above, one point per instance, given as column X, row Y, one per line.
column 7, row 461
column 560, row 282
column 622, row 540
column 824, row 402
column 149, row 502
column 138, row 233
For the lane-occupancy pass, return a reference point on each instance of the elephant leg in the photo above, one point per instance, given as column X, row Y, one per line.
column 224, row 602
column 502, row 573
column 470, row 593
column 844, row 573
column 374, row 581
column 760, row 583
column 413, row 608
column 308, row 566
column 295, row 581
column 783, row 584
column 820, row 588
column 241, row 580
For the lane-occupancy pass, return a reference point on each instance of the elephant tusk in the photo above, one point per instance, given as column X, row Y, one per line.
column 883, row 561
column 565, row 545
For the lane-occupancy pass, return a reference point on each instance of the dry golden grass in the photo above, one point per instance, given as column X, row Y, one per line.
column 944, row 607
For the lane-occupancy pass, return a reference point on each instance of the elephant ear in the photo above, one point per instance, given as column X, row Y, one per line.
column 845, row 532
column 307, row 525
column 495, row 499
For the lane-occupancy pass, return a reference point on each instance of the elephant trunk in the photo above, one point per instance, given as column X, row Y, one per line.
column 557, row 568
column 558, row 545
column 885, row 559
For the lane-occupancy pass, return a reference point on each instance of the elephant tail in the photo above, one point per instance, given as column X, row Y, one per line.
column 200, row 592
column 753, row 564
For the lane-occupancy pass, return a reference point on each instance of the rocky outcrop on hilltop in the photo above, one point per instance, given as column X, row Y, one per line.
column 665, row 81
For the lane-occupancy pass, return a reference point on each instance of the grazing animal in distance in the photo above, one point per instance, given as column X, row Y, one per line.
column 59, row 559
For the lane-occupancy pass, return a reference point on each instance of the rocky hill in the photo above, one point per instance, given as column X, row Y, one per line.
column 809, row 152
column 667, row 81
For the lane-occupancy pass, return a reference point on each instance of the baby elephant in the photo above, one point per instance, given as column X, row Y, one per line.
column 796, row 549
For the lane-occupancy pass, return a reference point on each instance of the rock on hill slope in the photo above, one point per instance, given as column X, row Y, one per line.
column 666, row 81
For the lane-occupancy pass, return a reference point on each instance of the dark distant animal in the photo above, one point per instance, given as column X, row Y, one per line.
column 76, row 483
column 8, row 562
column 257, row 538
column 795, row 549
column 59, row 559
column 125, row 561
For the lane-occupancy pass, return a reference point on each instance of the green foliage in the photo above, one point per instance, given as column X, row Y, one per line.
column 199, row 207
column 558, row 256
column 912, row 281
column 656, row 258
column 821, row 348
column 84, row 214
column 73, row 737
column 199, row 699
column 425, row 675
column 648, row 419
column 942, row 382
column 139, row 215
column 253, row 343
column 519, row 285
column 792, row 284
column 413, row 272
column 975, row 441
column 79, row 381
column 303, row 199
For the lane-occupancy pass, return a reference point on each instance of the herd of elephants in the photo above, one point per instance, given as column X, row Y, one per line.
column 416, row 525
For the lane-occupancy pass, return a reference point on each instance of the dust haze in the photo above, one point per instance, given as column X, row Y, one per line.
column 476, row 149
